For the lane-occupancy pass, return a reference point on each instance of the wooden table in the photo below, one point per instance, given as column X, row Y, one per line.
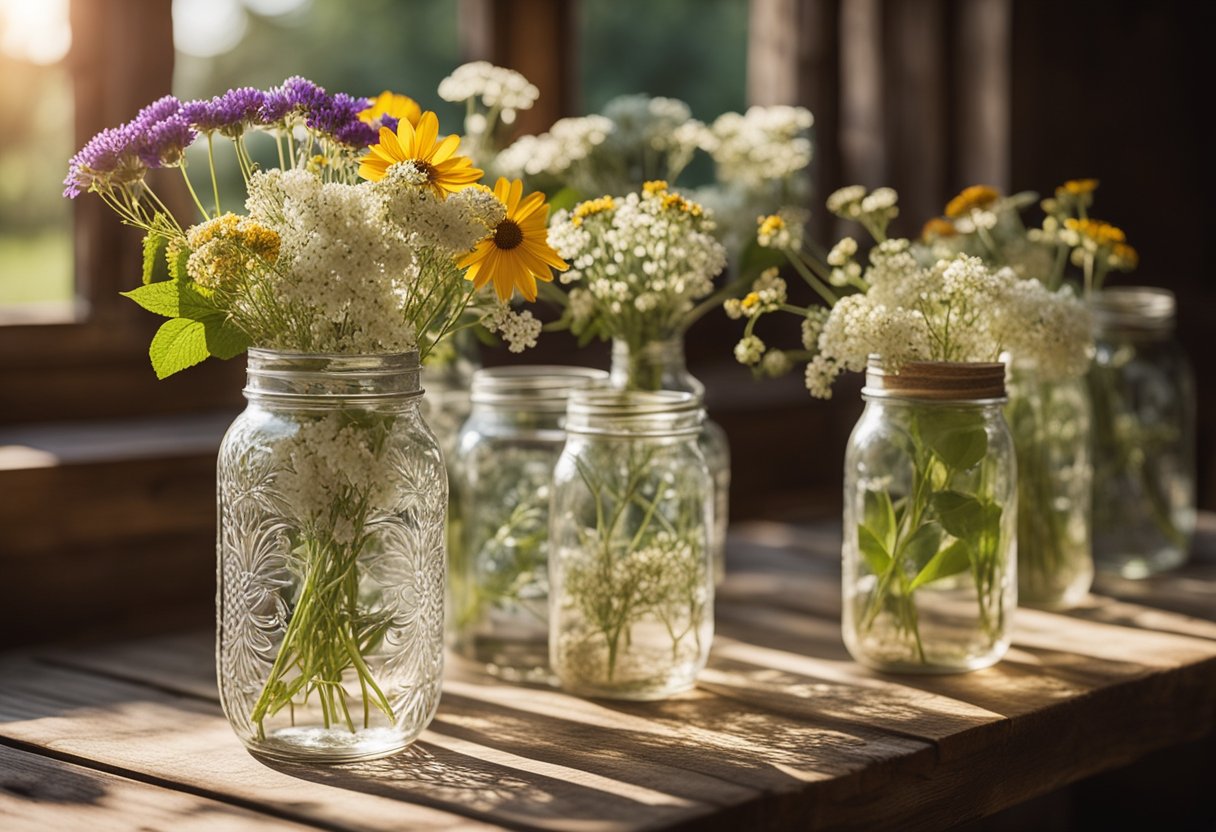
column 782, row 731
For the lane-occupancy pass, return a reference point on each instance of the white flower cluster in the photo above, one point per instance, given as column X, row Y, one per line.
column 783, row 230
column 761, row 145
column 768, row 293
column 332, row 476
column 569, row 140
column 1050, row 330
column 454, row 225
column 518, row 329
column 497, row 87
column 873, row 210
column 644, row 260
column 657, row 125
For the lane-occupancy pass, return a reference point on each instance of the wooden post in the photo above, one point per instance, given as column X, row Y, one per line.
column 983, row 124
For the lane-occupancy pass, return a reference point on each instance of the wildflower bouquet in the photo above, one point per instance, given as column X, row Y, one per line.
column 369, row 241
column 946, row 527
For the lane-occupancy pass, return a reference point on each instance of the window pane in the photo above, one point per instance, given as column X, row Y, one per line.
column 36, row 139
column 694, row 50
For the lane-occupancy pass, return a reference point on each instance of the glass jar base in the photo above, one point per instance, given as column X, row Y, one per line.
column 647, row 694
column 329, row 746
column 1137, row 566
column 930, row 668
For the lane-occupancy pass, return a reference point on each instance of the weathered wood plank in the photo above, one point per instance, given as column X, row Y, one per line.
column 39, row 794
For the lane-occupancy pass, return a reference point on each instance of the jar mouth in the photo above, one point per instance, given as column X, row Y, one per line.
column 634, row 413
column 299, row 376
column 1144, row 308
column 970, row 382
column 540, row 387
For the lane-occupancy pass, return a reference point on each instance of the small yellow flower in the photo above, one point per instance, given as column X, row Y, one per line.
column 517, row 254
column 445, row 172
column 974, row 198
column 590, row 207
column 1077, row 187
column 1099, row 232
column 937, row 228
column 393, row 105
column 1124, row 257
column 750, row 301
column 675, row 202
column 654, row 187
column 770, row 225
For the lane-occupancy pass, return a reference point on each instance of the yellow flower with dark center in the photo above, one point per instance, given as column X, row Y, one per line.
column 654, row 187
column 517, row 254
column 937, row 228
column 1100, row 232
column 393, row 105
column 1077, row 187
column 971, row 199
column 590, row 207
column 445, row 172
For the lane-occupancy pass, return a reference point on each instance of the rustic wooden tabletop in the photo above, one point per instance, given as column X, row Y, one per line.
column 783, row 730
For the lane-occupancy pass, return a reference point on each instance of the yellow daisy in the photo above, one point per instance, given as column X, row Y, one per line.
column 445, row 172
column 393, row 105
column 517, row 254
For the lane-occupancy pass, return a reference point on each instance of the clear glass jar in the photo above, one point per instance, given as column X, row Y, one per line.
column 1050, row 423
column 504, row 463
column 660, row 365
column 630, row 573
column 331, row 493
column 930, row 520
column 1144, row 434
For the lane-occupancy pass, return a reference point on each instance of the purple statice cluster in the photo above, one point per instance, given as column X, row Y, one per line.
column 161, row 132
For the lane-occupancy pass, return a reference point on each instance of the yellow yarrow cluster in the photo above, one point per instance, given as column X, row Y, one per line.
column 675, row 202
column 1077, row 187
column 937, row 228
column 654, row 186
column 1100, row 232
column 591, row 206
column 227, row 246
column 973, row 198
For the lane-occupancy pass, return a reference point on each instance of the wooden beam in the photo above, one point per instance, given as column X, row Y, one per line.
column 983, row 125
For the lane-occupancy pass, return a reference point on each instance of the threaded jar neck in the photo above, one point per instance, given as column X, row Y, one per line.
column 939, row 381
column 655, row 365
column 623, row 413
column 537, row 388
column 1133, row 310
column 309, row 377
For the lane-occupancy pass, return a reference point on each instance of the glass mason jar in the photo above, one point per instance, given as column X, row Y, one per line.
column 504, row 464
column 630, row 572
column 1050, row 423
column 331, row 492
column 660, row 365
column 1144, row 434
column 930, row 520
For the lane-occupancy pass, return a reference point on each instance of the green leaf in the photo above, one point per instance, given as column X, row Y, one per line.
column 224, row 340
column 173, row 299
column 952, row 560
column 966, row 517
column 957, row 437
column 880, row 517
column 178, row 344
column 922, row 545
column 177, row 263
column 566, row 199
column 872, row 549
column 155, row 268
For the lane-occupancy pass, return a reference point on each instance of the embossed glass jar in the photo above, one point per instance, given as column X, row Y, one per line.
column 1144, row 434
column 630, row 568
column 332, row 495
column 660, row 365
column 502, row 467
column 930, row 520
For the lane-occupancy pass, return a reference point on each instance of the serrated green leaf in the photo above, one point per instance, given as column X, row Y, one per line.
column 154, row 267
column 177, row 260
column 952, row 560
column 920, row 548
column 178, row 344
column 872, row 549
column 224, row 340
column 957, row 437
column 173, row 300
column 880, row 517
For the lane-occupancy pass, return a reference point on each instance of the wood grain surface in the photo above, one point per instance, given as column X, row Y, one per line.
column 782, row 731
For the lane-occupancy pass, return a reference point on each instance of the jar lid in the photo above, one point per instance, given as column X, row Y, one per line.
column 1145, row 308
column 634, row 413
column 287, row 376
column 956, row 381
column 539, row 387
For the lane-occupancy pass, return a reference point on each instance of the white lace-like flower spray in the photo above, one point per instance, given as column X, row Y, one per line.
column 760, row 145
column 638, row 264
column 498, row 88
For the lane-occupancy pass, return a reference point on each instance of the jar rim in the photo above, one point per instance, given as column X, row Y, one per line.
column 634, row 412
column 539, row 386
column 1133, row 307
column 287, row 375
column 971, row 382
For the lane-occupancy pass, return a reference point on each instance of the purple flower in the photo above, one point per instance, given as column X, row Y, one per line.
column 165, row 142
column 339, row 118
column 237, row 109
column 158, row 110
column 110, row 155
column 202, row 114
column 302, row 93
column 275, row 107
column 389, row 122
